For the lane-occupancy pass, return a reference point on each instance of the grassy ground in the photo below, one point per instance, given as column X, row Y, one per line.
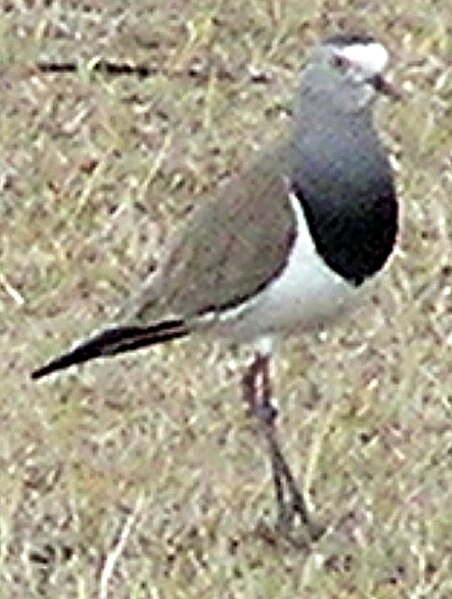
column 142, row 477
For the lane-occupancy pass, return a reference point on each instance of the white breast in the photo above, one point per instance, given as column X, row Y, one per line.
column 307, row 294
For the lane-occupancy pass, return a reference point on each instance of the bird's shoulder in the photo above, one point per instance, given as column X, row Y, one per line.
column 231, row 246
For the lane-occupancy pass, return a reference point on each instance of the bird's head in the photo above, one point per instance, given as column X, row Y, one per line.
column 346, row 71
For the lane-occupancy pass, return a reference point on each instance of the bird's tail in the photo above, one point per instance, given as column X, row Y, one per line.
column 115, row 341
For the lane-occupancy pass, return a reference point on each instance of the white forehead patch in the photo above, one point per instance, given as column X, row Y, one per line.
column 370, row 58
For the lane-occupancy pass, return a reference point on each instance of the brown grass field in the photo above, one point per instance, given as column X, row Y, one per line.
column 141, row 477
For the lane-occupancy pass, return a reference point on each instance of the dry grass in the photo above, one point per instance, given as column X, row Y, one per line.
column 141, row 477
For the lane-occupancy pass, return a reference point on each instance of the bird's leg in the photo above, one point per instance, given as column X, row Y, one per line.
column 257, row 395
column 257, row 392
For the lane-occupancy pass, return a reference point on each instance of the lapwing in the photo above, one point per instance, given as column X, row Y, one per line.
column 285, row 246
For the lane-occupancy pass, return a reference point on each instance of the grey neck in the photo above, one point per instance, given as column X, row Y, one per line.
column 322, row 96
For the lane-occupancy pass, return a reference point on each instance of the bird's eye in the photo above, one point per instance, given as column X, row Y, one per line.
column 340, row 62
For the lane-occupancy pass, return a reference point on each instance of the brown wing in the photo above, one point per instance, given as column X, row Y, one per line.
column 232, row 246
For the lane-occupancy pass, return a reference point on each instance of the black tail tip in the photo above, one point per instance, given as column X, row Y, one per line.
column 36, row 374
column 114, row 341
column 54, row 365
column 39, row 373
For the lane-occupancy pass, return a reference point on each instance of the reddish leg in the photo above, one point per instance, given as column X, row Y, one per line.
column 257, row 393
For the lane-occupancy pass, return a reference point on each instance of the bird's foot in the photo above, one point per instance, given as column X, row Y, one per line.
column 292, row 525
column 294, row 520
column 288, row 529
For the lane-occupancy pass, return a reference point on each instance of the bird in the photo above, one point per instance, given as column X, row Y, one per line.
column 285, row 246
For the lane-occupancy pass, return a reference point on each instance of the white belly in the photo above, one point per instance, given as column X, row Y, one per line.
column 307, row 294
